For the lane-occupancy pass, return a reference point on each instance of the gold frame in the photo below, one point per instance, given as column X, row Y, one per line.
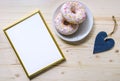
column 45, row 68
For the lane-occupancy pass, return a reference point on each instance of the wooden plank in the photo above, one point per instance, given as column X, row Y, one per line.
column 81, row 64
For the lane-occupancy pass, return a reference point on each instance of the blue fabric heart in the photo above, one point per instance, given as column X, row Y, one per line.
column 102, row 44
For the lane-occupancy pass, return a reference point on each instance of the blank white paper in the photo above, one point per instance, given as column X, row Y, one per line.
column 34, row 44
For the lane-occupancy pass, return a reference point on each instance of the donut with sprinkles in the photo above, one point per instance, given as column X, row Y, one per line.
column 74, row 12
column 64, row 27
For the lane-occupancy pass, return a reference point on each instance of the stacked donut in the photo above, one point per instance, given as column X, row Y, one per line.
column 70, row 16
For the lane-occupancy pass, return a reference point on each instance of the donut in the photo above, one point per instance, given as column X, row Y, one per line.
column 74, row 12
column 64, row 27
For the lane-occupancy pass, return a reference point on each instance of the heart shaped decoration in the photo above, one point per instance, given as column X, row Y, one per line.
column 102, row 43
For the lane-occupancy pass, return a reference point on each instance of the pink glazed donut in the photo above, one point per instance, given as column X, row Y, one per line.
column 74, row 12
column 64, row 27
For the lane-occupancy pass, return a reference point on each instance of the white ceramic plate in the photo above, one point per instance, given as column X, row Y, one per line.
column 83, row 30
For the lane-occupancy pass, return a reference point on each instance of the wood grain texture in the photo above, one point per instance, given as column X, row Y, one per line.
column 81, row 64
